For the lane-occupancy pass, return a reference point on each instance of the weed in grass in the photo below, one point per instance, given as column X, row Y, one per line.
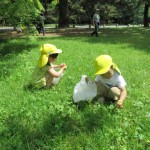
column 48, row 119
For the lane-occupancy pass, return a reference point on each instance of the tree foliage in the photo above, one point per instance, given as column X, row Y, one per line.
column 129, row 11
column 64, row 12
column 146, row 13
column 17, row 12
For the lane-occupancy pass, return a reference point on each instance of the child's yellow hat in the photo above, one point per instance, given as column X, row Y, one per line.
column 46, row 50
column 103, row 63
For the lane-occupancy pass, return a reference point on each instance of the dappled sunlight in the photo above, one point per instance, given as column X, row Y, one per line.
column 137, row 37
column 48, row 118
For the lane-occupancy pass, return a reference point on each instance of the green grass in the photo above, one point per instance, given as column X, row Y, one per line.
column 48, row 119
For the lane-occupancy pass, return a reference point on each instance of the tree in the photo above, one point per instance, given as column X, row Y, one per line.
column 146, row 12
column 63, row 13
column 20, row 12
column 129, row 11
column 76, row 12
column 89, row 7
column 46, row 3
column 138, row 11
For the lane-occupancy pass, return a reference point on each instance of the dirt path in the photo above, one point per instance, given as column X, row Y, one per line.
column 49, row 33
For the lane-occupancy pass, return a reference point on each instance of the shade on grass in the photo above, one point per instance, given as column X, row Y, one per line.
column 47, row 119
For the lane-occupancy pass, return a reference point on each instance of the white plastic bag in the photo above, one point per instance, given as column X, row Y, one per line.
column 84, row 91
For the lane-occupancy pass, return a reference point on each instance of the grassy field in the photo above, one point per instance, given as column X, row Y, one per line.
column 48, row 119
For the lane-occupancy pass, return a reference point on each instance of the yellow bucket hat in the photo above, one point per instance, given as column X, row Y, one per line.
column 103, row 63
column 46, row 50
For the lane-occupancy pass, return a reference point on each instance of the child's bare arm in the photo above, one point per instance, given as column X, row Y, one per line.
column 59, row 66
column 55, row 73
column 123, row 94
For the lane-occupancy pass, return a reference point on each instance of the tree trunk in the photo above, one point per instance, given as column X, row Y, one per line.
column 63, row 14
column 146, row 20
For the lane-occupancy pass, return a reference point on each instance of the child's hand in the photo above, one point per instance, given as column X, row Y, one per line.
column 119, row 104
column 86, row 79
column 63, row 64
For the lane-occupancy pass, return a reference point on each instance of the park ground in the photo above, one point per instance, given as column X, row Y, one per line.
column 48, row 119
column 52, row 31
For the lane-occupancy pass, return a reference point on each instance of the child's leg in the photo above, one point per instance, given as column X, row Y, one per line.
column 114, row 93
column 49, row 80
column 102, row 90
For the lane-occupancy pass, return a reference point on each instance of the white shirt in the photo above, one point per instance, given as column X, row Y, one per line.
column 96, row 18
column 116, row 80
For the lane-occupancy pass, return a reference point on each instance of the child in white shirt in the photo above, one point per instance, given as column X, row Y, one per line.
column 110, row 82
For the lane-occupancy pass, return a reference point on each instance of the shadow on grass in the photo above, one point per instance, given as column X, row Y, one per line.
column 81, row 105
column 9, row 49
column 60, row 124
column 64, row 124
column 19, row 134
column 136, row 37
column 29, row 88
column 14, row 135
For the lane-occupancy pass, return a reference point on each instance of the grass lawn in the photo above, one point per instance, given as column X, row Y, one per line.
column 48, row 119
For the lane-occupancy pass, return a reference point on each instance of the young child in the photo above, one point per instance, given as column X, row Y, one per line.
column 110, row 82
column 45, row 71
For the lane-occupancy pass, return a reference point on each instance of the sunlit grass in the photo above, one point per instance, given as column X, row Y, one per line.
column 48, row 119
